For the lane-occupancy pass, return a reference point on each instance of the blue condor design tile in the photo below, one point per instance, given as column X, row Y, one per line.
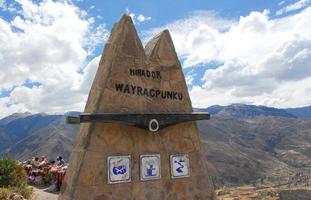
column 119, row 169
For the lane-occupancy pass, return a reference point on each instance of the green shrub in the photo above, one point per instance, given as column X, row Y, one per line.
column 23, row 190
column 11, row 173
column 13, row 179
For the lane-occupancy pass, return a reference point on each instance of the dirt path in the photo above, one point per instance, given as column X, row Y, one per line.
column 42, row 194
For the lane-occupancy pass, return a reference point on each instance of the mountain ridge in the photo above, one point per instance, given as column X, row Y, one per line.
column 245, row 111
column 302, row 112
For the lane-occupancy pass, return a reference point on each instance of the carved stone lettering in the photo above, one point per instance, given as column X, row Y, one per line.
column 164, row 94
column 145, row 73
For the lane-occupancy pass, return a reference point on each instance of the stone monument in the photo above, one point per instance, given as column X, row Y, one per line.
column 121, row 161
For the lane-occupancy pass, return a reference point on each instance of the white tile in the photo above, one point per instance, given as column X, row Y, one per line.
column 119, row 169
column 180, row 167
column 150, row 167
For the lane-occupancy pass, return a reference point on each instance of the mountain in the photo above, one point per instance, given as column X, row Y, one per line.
column 243, row 143
column 303, row 112
column 245, row 111
column 18, row 126
column 23, row 136
column 5, row 138
column 243, row 151
column 13, row 117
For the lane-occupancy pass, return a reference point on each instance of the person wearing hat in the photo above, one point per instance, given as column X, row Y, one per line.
column 60, row 161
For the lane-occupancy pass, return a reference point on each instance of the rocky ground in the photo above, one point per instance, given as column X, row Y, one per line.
column 235, row 193
column 297, row 191
column 43, row 194
column 251, row 193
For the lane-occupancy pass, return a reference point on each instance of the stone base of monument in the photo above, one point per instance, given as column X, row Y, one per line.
column 113, row 159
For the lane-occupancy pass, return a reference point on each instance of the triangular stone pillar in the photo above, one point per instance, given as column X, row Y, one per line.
column 87, row 175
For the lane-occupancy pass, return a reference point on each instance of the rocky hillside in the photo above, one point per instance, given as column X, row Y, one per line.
column 18, row 126
column 246, row 144
column 243, row 144
column 26, row 135
column 245, row 151
column 243, row 111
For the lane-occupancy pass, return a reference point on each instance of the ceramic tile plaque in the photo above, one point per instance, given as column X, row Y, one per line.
column 150, row 167
column 119, row 169
column 180, row 166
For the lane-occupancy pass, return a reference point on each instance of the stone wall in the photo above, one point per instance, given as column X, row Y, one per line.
column 88, row 170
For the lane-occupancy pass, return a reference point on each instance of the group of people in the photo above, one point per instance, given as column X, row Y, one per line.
column 42, row 172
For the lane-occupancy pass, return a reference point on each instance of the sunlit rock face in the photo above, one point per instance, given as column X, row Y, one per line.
column 131, row 79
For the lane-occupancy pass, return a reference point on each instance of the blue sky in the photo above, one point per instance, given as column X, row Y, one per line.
column 232, row 51
column 165, row 11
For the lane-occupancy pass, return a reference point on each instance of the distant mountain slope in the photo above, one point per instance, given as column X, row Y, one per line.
column 13, row 117
column 18, row 126
column 55, row 139
column 21, row 127
column 244, row 150
column 303, row 112
column 26, row 135
column 245, row 111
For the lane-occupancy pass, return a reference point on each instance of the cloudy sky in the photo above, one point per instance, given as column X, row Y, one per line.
column 232, row 51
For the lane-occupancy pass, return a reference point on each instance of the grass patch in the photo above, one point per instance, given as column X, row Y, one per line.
column 25, row 191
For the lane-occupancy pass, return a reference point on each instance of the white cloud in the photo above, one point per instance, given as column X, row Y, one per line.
column 263, row 61
column 189, row 79
column 89, row 73
column 7, row 107
column 281, row 3
column 261, row 58
column 294, row 6
column 7, row 7
column 47, row 43
column 288, row 94
column 137, row 19
column 192, row 35
column 3, row 5
column 142, row 18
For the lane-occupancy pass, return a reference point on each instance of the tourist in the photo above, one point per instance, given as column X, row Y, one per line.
column 35, row 163
column 28, row 167
column 42, row 171
column 60, row 161
column 43, row 161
